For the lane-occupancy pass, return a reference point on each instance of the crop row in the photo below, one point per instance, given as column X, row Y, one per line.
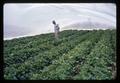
column 23, row 54
column 62, row 66
column 42, row 56
column 97, row 64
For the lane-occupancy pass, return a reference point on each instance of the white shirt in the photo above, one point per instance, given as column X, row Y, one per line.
column 56, row 28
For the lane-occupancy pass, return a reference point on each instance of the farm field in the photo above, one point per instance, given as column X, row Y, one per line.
column 77, row 55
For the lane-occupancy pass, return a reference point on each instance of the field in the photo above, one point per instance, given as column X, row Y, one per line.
column 77, row 55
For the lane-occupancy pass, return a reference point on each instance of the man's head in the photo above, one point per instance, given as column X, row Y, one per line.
column 53, row 22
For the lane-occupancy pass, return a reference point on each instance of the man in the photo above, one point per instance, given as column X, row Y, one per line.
column 56, row 29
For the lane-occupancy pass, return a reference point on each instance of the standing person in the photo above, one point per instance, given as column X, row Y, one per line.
column 56, row 29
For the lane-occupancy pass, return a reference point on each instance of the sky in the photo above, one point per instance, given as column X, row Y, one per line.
column 22, row 19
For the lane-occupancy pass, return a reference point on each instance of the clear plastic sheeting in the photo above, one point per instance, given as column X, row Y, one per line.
column 32, row 19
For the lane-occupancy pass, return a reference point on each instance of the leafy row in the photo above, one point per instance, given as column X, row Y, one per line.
column 23, row 54
column 41, row 57
column 60, row 68
column 96, row 65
